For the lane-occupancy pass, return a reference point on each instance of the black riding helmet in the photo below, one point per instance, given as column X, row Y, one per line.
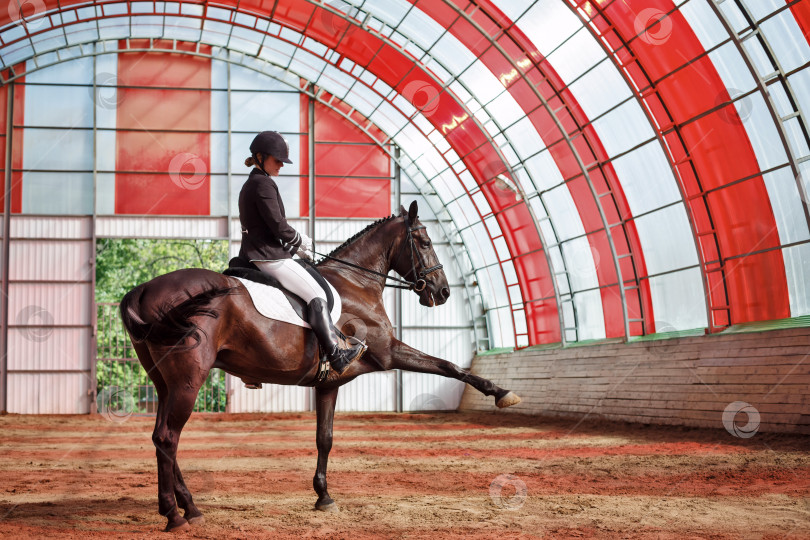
column 272, row 143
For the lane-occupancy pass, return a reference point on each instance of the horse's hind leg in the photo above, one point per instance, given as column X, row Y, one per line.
column 182, row 494
column 181, row 379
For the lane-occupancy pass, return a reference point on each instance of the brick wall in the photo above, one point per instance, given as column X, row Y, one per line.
column 688, row 381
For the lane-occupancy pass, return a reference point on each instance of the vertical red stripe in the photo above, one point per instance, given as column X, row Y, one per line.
column 303, row 168
column 352, row 180
column 163, row 142
column 801, row 12
column 719, row 151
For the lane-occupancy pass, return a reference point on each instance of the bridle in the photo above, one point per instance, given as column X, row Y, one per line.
column 420, row 274
column 420, row 283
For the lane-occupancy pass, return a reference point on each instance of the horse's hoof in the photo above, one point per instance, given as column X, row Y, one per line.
column 197, row 520
column 508, row 400
column 176, row 528
column 330, row 507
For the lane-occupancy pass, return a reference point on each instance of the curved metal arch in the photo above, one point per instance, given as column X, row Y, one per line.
column 314, row 95
column 580, row 163
column 659, row 137
column 232, row 24
column 762, row 88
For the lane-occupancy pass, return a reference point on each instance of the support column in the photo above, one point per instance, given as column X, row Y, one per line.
column 6, row 250
column 398, row 293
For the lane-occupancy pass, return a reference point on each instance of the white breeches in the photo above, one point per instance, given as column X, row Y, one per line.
column 293, row 277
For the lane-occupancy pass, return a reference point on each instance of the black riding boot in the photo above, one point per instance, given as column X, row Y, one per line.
column 321, row 323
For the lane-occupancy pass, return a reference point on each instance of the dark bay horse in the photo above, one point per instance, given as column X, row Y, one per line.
column 184, row 323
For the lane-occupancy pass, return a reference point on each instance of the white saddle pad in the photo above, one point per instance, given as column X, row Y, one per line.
column 271, row 302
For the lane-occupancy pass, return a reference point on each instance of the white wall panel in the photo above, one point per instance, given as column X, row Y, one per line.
column 50, row 260
column 448, row 344
column 51, row 393
column 422, row 392
column 269, row 398
column 53, row 303
column 48, row 348
column 371, row 392
column 161, row 227
column 51, row 227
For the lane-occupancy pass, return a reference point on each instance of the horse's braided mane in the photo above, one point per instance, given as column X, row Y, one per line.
column 358, row 235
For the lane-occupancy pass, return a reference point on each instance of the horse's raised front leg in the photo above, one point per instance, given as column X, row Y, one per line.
column 405, row 357
column 325, row 399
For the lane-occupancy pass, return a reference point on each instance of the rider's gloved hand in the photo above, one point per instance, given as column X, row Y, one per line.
column 306, row 243
column 304, row 254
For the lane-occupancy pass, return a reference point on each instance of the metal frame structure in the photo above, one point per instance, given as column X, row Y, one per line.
column 485, row 23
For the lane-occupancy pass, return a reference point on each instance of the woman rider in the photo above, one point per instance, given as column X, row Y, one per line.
column 269, row 242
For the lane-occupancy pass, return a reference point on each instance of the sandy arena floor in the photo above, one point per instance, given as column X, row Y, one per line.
column 453, row 475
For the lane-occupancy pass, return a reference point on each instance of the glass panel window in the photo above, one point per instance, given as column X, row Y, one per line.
column 57, row 193
column 600, row 89
column 679, row 300
column 646, row 178
column 563, row 212
column 548, row 23
column 704, row 23
column 623, row 128
column 576, row 56
column 590, row 317
column 666, row 240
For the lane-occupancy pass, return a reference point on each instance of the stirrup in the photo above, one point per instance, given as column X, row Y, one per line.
column 341, row 358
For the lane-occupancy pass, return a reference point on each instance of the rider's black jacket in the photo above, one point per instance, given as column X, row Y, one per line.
column 266, row 235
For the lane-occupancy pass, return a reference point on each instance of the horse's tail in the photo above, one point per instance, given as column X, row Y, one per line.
column 173, row 324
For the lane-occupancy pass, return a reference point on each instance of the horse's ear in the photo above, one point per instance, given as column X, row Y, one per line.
column 402, row 210
column 413, row 212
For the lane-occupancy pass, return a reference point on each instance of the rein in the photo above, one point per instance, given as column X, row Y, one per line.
column 418, row 286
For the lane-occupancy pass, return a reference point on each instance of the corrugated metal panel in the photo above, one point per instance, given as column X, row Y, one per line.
column 161, row 227
column 371, row 392
column 51, row 393
column 44, row 304
column 270, row 398
column 338, row 230
column 49, row 348
column 51, row 260
column 453, row 345
column 299, row 224
column 422, row 392
column 51, row 227
column 454, row 312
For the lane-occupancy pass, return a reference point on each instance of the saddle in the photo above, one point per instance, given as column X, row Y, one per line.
column 244, row 269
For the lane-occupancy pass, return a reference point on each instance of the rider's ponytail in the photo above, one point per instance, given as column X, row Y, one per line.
column 250, row 162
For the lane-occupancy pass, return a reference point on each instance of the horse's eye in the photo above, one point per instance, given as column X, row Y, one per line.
column 426, row 244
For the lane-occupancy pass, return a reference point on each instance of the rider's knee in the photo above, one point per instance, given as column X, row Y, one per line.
column 317, row 304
